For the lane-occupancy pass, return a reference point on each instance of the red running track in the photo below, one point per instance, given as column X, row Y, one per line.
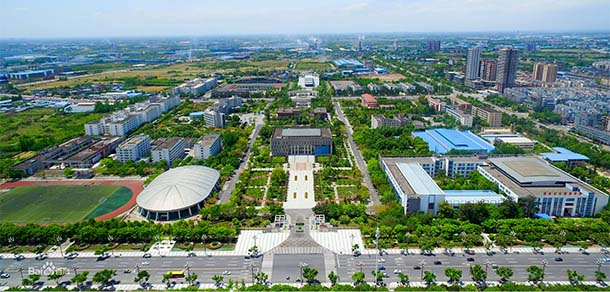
column 136, row 186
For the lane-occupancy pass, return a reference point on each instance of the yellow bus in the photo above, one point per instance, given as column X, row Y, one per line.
column 175, row 274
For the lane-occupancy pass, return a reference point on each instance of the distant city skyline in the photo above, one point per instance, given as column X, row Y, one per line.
column 140, row 18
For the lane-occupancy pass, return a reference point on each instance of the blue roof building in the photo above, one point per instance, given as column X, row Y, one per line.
column 565, row 155
column 348, row 63
column 444, row 140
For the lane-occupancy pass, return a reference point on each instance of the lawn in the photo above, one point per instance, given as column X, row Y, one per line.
column 52, row 204
column 119, row 198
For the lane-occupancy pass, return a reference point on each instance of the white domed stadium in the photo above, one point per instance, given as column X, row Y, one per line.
column 178, row 193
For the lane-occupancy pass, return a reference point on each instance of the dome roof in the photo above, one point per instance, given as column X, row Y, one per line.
column 178, row 188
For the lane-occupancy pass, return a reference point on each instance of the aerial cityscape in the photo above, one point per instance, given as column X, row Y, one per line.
column 400, row 145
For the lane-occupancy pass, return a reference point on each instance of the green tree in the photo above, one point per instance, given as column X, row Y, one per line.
column 535, row 274
column 103, row 277
column 261, row 278
column 504, row 273
column 68, row 172
column 574, row 277
column 453, row 274
column 358, row 278
column 403, row 278
column 191, row 278
column 600, row 276
column 478, row 273
column 429, row 277
column 333, row 278
column 56, row 276
column 310, row 274
column 79, row 279
column 142, row 277
column 218, row 279
column 31, row 280
column 378, row 276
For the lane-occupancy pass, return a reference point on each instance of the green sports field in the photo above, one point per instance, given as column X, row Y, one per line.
column 60, row 204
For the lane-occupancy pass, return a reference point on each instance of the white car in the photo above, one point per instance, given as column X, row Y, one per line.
column 145, row 263
column 397, row 271
column 226, row 273
column 146, row 255
column 5, row 275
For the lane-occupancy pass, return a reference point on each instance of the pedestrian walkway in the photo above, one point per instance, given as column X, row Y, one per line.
column 340, row 241
column 300, row 183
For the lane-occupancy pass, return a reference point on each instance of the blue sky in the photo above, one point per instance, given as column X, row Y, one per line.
column 112, row 18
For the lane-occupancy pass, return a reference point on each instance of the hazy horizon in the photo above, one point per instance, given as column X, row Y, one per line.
column 190, row 18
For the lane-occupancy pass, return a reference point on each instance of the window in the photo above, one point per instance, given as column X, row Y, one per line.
column 294, row 195
column 306, row 195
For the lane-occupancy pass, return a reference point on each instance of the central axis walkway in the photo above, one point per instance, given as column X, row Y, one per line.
column 286, row 260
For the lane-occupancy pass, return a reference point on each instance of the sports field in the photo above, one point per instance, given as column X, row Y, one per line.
column 60, row 203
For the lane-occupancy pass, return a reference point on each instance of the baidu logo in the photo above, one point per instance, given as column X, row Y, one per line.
column 47, row 269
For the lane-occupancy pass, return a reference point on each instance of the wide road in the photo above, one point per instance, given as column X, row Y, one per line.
column 366, row 177
column 205, row 267
column 555, row 270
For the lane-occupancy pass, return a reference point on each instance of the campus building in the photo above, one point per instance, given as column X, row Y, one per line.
column 368, row 101
column 301, row 141
column 463, row 118
column 134, row 148
column 195, row 87
column 178, row 193
column 381, row 121
column 208, row 146
column 564, row 155
column 507, row 68
column 491, row 116
column 168, row 149
column 444, row 140
column 518, row 176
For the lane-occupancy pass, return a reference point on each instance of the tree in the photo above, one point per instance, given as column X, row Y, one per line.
column 429, row 277
column 358, row 278
column 31, row 280
column 142, row 277
column 504, row 273
column 68, row 172
column 378, row 275
column 454, row 275
column 218, row 279
column 600, row 276
column 310, row 274
column 574, row 277
column 426, row 245
column 333, row 278
column 57, row 275
column 101, row 251
column 536, row 274
column 80, row 278
column 478, row 273
column 166, row 279
column 191, row 278
column 529, row 205
column 403, row 278
column 103, row 277
column 261, row 278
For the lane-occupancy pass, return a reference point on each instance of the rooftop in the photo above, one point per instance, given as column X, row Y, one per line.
column 208, row 139
column 529, row 169
column 459, row 197
column 280, row 133
column 166, row 143
column 444, row 140
column 563, row 154
column 418, row 179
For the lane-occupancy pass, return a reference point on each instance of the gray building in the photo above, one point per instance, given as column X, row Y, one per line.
column 209, row 145
column 473, row 59
column 134, row 149
column 381, row 121
column 507, row 68
column 168, row 149
column 301, row 141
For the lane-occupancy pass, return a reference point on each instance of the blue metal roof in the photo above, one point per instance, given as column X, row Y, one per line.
column 348, row 62
column 444, row 140
column 563, row 154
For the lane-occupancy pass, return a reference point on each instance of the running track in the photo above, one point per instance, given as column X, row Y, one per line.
column 136, row 186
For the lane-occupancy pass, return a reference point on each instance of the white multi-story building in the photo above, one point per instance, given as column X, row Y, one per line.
column 462, row 117
column 195, row 87
column 214, row 118
column 134, row 148
column 209, row 145
column 168, row 149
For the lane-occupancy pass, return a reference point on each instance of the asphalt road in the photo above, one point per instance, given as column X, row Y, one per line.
column 555, row 271
column 204, row 267
column 225, row 193
column 287, row 267
column 366, row 177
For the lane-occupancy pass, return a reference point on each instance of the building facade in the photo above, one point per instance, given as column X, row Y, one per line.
column 473, row 60
column 507, row 68
column 488, row 70
column 301, row 141
column 168, row 149
column 208, row 146
column 491, row 116
column 134, row 148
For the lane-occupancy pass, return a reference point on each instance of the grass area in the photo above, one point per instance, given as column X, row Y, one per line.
column 115, row 201
column 45, row 126
column 385, row 77
column 51, row 204
column 313, row 66
column 258, row 178
column 255, row 193
column 347, row 191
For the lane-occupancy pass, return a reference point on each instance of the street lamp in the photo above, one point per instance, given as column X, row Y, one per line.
column 137, row 266
column 301, row 266
column 254, row 237
column 187, row 267
column 512, row 238
column 252, row 271
column 110, row 240
column 158, row 244
column 408, row 236
column 203, row 239
column 377, row 247
column 487, row 264
column 59, row 239
column 20, row 269
column 360, row 264
column 422, row 264
column 74, row 268
column 544, row 263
